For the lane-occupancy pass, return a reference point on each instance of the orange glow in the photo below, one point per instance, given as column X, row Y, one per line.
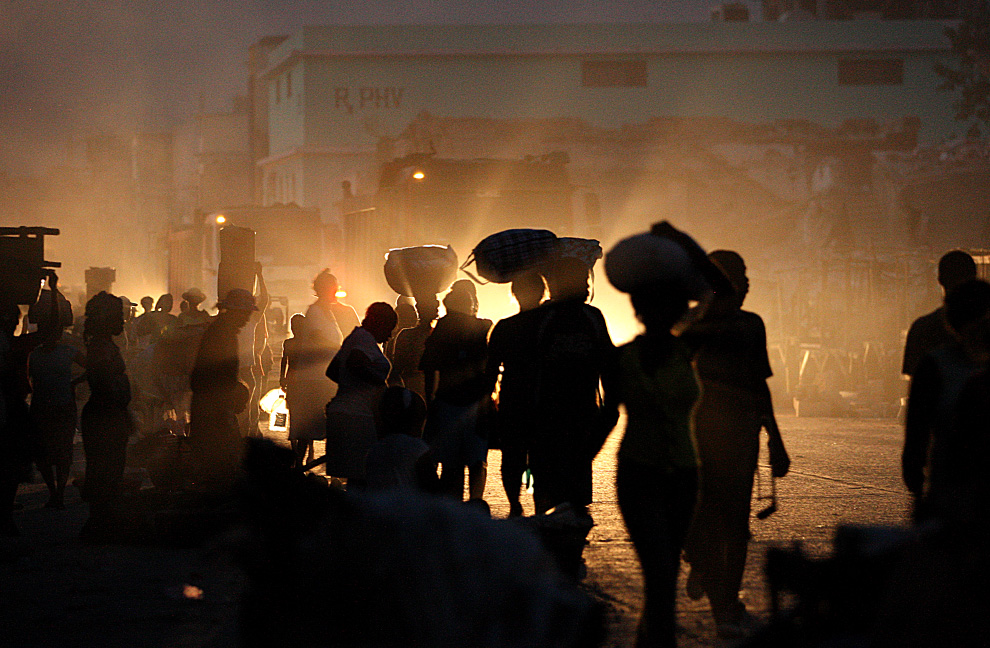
column 221, row 219
column 341, row 293
column 418, row 175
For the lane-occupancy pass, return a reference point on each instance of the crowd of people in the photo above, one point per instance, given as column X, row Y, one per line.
column 406, row 399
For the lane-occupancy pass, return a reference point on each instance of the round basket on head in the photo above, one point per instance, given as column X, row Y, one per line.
column 643, row 260
column 420, row 270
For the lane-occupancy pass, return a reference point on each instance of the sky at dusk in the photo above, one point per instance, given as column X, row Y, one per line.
column 72, row 67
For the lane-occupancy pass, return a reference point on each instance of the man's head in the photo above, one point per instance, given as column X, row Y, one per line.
column 147, row 303
column 237, row 307
column 165, row 303
column 528, row 289
column 954, row 268
column 568, row 280
column 379, row 320
column 967, row 310
column 325, row 285
column 194, row 296
column 734, row 268
column 462, row 298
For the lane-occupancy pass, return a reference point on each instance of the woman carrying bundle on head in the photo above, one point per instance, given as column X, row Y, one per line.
column 657, row 474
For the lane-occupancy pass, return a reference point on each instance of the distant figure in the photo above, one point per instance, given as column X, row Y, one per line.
column 194, row 315
column 929, row 332
column 324, row 330
column 401, row 459
column 218, row 395
column 105, row 422
column 307, row 389
column 512, row 361
column 252, row 343
column 326, row 286
column 572, row 346
column 359, row 369
column 453, row 366
column 933, row 402
column 730, row 355
column 409, row 344
column 144, row 324
column 53, row 403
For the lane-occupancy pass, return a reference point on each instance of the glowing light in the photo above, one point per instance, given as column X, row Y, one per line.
column 341, row 293
column 221, row 219
column 269, row 400
column 418, row 175
column 192, row 592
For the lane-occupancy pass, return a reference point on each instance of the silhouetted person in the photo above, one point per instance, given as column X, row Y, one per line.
column 218, row 394
column 15, row 456
column 307, row 388
column 326, row 286
column 53, row 400
column 453, row 366
column 105, row 422
column 934, row 397
column 657, row 471
column 930, row 331
column 252, row 347
column 730, row 355
column 406, row 313
column 400, row 459
column 571, row 345
column 194, row 315
column 409, row 344
column 359, row 369
column 511, row 355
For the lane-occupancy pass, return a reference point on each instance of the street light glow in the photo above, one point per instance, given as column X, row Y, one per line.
column 221, row 219
column 418, row 175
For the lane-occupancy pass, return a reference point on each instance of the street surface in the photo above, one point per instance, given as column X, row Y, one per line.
column 56, row 591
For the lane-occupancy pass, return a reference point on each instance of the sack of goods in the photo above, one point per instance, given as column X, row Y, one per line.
column 648, row 259
column 585, row 250
column 499, row 258
column 421, row 270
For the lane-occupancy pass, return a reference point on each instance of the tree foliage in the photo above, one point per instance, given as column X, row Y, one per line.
column 968, row 73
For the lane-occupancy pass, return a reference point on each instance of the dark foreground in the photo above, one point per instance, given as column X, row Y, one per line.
column 56, row 591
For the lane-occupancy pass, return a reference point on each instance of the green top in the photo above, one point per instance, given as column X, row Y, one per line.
column 660, row 405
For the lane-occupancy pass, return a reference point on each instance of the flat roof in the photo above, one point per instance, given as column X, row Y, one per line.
column 811, row 36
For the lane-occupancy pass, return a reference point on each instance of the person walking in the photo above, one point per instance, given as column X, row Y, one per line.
column 218, row 395
column 453, row 366
column 105, row 423
column 307, row 389
column 657, row 471
column 53, row 401
column 511, row 362
column 729, row 347
column 360, row 370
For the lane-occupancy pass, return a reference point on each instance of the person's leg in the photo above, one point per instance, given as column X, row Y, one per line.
column 645, row 500
column 513, row 467
column 477, row 478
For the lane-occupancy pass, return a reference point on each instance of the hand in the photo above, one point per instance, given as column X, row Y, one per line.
column 780, row 463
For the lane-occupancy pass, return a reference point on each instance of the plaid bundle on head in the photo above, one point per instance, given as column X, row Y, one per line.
column 502, row 256
column 586, row 250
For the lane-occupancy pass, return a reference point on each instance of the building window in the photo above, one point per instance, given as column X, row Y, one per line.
column 859, row 72
column 613, row 74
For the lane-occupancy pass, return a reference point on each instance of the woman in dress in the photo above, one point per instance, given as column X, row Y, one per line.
column 360, row 370
column 106, row 422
